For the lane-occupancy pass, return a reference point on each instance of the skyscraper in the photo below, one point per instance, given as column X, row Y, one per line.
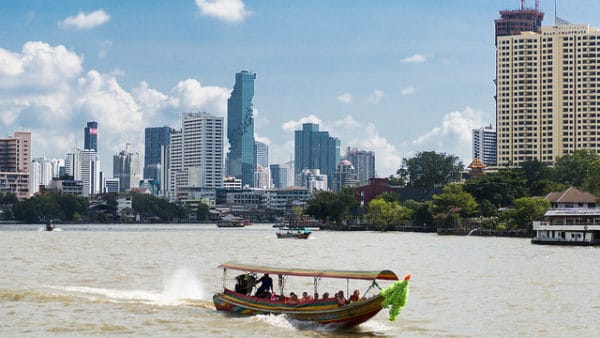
column 90, row 136
column 546, row 93
column 126, row 167
column 156, row 143
column 314, row 149
column 484, row 145
column 279, row 175
column 262, row 154
column 90, row 172
column 196, row 153
column 15, row 162
column 363, row 162
column 345, row 176
column 241, row 159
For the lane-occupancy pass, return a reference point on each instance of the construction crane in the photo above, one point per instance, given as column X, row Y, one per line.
column 537, row 5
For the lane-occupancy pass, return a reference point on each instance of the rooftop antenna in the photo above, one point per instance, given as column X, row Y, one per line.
column 522, row 4
column 555, row 16
column 537, row 5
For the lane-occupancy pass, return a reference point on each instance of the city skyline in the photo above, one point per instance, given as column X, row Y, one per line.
column 65, row 64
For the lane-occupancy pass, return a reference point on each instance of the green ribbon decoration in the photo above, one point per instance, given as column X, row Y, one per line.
column 395, row 297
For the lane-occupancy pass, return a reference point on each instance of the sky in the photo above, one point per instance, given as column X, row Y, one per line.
column 395, row 77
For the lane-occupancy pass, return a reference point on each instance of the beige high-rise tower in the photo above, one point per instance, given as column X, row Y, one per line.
column 547, row 93
column 15, row 161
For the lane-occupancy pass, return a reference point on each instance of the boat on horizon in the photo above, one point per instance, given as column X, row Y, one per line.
column 322, row 310
column 286, row 232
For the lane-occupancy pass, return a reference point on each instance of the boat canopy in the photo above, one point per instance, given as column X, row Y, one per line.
column 367, row 275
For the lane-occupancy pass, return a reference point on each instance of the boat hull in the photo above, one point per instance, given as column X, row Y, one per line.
column 322, row 311
column 300, row 236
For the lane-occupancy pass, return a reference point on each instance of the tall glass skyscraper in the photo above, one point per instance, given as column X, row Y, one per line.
column 156, row 139
column 90, row 136
column 241, row 159
column 315, row 149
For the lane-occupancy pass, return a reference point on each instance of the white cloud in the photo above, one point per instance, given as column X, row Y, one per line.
column 345, row 98
column 190, row 94
column 417, row 58
column 376, row 97
column 43, row 90
column 38, row 66
column 227, row 10
column 85, row 20
column 293, row 125
column 454, row 135
column 408, row 90
column 104, row 47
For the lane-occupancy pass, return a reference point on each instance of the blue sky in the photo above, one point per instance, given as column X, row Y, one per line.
column 396, row 77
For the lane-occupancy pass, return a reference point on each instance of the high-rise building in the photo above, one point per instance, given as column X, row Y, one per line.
column 15, row 162
column 484, row 145
column 41, row 173
column 156, row 144
column 127, row 168
column 90, row 136
column 241, row 158
column 363, row 162
column 513, row 22
column 196, row 153
column 345, row 176
column 262, row 154
column 90, row 172
column 279, row 175
column 546, row 101
column 111, row 185
column 314, row 149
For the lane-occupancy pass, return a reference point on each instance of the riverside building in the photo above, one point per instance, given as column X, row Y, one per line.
column 547, row 100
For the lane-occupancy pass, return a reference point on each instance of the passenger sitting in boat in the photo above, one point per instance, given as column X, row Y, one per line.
column 326, row 295
column 316, row 296
column 340, row 298
column 355, row 296
column 306, row 297
column 293, row 299
column 265, row 286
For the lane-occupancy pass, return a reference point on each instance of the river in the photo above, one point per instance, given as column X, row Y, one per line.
column 158, row 280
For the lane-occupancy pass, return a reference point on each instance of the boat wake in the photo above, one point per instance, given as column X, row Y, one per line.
column 181, row 289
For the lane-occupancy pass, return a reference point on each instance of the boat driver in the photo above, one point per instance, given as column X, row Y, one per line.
column 266, row 284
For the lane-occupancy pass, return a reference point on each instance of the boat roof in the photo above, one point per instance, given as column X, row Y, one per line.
column 346, row 274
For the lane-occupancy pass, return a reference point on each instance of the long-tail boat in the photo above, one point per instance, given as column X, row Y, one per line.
column 323, row 310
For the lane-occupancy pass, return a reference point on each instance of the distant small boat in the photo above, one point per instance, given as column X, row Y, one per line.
column 230, row 221
column 49, row 226
column 301, row 233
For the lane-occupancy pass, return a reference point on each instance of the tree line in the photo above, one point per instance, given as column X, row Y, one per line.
column 510, row 198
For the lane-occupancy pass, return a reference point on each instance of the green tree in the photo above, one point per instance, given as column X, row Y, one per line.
column 525, row 211
column 534, row 171
column 203, row 212
column 422, row 212
column 429, row 169
column 334, row 207
column 454, row 200
column 384, row 214
column 389, row 196
column 501, row 188
column 592, row 179
column 572, row 169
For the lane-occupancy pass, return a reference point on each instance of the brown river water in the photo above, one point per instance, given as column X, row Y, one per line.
column 158, row 281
